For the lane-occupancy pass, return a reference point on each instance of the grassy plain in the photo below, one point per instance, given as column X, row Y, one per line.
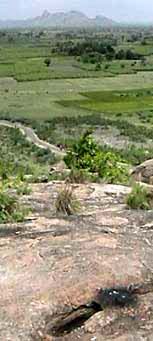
column 49, row 98
column 25, row 62
column 138, row 47
column 116, row 101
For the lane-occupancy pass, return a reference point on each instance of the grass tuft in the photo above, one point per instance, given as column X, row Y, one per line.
column 66, row 202
column 139, row 198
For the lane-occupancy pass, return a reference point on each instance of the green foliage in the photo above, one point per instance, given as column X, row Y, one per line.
column 22, row 188
column 10, row 210
column 82, row 153
column 93, row 58
column 5, row 168
column 136, row 155
column 114, row 102
column 134, row 132
column 66, row 202
column 20, row 157
column 127, row 54
column 47, row 62
column 79, row 176
column 111, row 169
column 87, row 155
column 98, row 67
column 139, row 198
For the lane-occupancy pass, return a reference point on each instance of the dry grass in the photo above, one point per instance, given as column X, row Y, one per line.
column 66, row 202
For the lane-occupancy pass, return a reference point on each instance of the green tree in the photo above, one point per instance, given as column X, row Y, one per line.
column 98, row 67
column 47, row 62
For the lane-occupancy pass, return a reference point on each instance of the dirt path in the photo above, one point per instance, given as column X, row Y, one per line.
column 32, row 137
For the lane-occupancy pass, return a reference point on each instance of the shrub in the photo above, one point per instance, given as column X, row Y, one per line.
column 23, row 189
column 111, row 170
column 5, row 169
column 47, row 62
column 139, row 198
column 106, row 66
column 10, row 211
column 87, row 155
column 98, row 67
column 136, row 155
column 79, row 176
column 82, row 153
column 66, row 202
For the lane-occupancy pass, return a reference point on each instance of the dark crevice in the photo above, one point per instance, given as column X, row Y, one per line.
column 9, row 231
column 112, row 297
column 36, row 234
column 66, row 323
column 23, row 234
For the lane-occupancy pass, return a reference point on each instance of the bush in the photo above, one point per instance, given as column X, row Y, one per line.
column 47, row 62
column 98, row 67
column 111, row 169
column 5, row 169
column 139, row 198
column 66, row 202
column 87, row 155
column 23, row 189
column 10, row 211
column 106, row 66
column 82, row 153
column 79, row 176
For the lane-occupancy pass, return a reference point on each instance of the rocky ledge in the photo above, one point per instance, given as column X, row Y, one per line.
column 52, row 268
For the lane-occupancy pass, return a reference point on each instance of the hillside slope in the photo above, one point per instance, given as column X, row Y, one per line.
column 61, row 19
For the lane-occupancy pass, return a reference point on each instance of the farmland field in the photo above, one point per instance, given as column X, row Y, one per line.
column 48, row 98
column 115, row 101
column 100, row 76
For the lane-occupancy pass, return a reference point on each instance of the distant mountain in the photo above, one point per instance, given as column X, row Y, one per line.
column 61, row 19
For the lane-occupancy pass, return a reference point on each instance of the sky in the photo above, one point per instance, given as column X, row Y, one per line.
column 119, row 10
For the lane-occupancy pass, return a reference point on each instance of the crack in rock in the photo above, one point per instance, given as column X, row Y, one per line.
column 120, row 297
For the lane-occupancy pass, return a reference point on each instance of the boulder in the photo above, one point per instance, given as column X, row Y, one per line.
column 144, row 172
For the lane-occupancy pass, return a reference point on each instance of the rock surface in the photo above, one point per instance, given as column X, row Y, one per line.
column 144, row 172
column 51, row 265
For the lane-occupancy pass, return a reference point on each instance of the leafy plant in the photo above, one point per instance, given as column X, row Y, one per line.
column 23, row 189
column 10, row 209
column 5, row 168
column 98, row 67
column 139, row 198
column 78, row 176
column 66, row 202
column 47, row 62
column 20, row 158
column 87, row 155
column 82, row 153
column 111, row 169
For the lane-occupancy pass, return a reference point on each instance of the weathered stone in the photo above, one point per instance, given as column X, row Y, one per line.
column 51, row 265
column 144, row 172
column 100, row 321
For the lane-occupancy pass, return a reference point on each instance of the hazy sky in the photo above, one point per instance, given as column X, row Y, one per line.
column 120, row 10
